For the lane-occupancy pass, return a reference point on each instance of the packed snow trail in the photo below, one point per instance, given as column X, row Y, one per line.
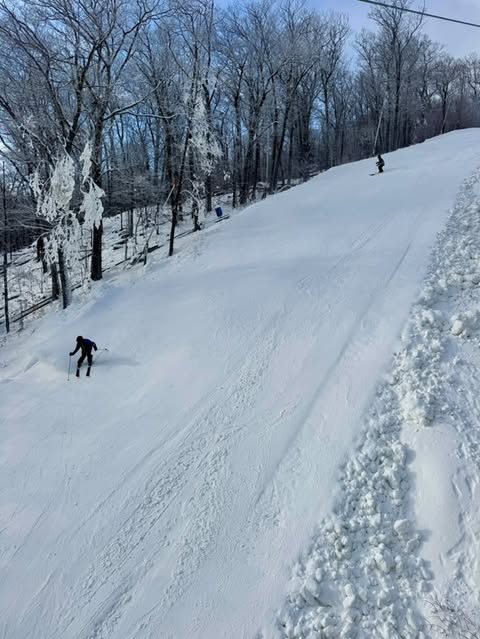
column 170, row 494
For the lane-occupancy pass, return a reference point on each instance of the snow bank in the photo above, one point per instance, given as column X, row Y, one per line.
column 363, row 575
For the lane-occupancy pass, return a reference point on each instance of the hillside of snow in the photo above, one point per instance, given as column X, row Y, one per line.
column 282, row 438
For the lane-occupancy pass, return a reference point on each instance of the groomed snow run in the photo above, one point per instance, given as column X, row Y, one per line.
column 282, row 438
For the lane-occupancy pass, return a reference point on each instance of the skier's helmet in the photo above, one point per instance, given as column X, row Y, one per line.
column 79, row 338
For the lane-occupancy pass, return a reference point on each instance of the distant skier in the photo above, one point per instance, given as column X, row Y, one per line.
column 86, row 345
column 380, row 163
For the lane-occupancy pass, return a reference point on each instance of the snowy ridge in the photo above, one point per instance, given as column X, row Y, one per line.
column 364, row 575
column 460, row 410
column 446, row 379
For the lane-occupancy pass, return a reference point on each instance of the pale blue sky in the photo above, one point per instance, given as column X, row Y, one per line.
column 458, row 39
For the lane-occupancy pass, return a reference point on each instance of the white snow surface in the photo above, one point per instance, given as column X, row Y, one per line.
column 282, row 439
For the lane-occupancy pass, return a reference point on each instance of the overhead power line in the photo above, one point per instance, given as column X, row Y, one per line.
column 421, row 13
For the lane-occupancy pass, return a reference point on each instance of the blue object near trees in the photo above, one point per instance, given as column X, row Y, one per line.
column 218, row 211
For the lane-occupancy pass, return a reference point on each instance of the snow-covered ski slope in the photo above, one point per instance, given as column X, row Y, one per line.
column 171, row 493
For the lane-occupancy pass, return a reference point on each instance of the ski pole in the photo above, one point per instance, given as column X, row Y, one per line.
column 102, row 350
column 69, row 362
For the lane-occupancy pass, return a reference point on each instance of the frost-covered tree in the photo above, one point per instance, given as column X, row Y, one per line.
column 54, row 204
column 204, row 153
column 197, row 148
column 53, row 197
column 91, row 208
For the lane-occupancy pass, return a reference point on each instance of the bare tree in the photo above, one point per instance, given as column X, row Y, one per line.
column 446, row 74
column 335, row 36
column 5, row 251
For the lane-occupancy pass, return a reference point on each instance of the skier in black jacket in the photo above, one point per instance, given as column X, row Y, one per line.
column 380, row 163
column 86, row 345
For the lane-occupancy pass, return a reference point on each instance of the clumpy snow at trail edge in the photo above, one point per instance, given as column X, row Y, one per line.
column 370, row 570
column 246, row 460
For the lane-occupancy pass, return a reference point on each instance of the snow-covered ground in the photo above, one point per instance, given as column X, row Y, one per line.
column 29, row 285
column 282, row 438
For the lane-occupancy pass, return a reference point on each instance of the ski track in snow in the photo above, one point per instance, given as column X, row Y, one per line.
column 201, row 455
column 364, row 575
column 204, row 441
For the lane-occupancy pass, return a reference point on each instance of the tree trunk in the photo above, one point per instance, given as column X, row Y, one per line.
column 173, row 226
column 444, row 114
column 304, row 144
column 5, row 289
column 208, row 178
column 238, row 151
column 326, row 133
column 256, row 167
column 5, row 256
column 279, row 150
column 55, row 281
column 96, row 271
column 290, row 155
column 247, row 169
column 208, row 192
column 64, row 279
column 130, row 223
column 396, row 119
column 156, row 158
column 96, row 266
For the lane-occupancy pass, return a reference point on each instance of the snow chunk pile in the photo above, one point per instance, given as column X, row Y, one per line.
column 455, row 265
column 363, row 575
column 415, row 379
column 465, row 323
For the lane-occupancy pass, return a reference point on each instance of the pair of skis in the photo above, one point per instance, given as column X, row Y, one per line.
column 77, row 374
